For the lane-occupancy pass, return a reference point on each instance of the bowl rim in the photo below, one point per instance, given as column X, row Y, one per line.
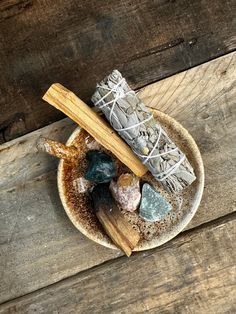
column 155, row 241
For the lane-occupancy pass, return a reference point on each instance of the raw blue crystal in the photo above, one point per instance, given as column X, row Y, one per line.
column 101, row 168
column 153, row 206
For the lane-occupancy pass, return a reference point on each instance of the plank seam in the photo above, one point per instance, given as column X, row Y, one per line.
column 213, row 223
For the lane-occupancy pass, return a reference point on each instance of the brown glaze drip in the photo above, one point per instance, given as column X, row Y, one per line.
column 80, row 203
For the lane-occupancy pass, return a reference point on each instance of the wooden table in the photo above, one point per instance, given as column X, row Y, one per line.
column 46, row 265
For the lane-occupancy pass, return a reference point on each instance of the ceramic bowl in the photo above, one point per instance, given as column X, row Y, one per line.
column 187, row 145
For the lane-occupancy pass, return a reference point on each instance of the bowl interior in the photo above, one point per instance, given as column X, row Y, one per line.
column 81, row 214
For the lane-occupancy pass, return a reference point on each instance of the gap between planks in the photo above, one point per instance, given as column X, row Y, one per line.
column 210, row 224
column 38, row 242
column 77, row 42
column 64, row 295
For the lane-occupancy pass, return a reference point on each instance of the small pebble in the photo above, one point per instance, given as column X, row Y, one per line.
column 92, row 144
column 145, row 150
column 81, row 185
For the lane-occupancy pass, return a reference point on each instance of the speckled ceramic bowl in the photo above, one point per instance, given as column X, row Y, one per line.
column 192, row 196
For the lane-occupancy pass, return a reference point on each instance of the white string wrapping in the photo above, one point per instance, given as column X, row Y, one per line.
column 106, row 98
column 161, row 176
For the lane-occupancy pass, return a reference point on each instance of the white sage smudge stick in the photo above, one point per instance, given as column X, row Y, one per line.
column 137, row 126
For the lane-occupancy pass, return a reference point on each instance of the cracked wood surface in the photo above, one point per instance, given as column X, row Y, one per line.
column 77, row 42
column 39, row 246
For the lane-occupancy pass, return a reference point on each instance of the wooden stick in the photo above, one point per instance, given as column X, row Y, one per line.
column 70, row 154
column 113, row 221
column 67, row 102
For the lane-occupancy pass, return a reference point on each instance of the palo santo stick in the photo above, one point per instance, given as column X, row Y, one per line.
column 67, row 102
column 113, row 221
column 68, row 153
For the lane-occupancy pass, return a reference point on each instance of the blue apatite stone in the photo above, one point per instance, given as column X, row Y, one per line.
column 101, row 167
column 153, row 206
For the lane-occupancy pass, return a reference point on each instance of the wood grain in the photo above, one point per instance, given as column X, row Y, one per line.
column 78, row 42
column 31, row 213
column 115, row 225
column 38, row 243
column 194, row 273
column 203, row 99
column 20, row 162
column 59, row 150
column 67, row 102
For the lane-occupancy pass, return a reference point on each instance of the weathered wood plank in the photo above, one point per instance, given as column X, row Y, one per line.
column 38, row 243
column 203, row 99
column 20, row 161
column 33, row 217
column 194, row 273
column 78, row 42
